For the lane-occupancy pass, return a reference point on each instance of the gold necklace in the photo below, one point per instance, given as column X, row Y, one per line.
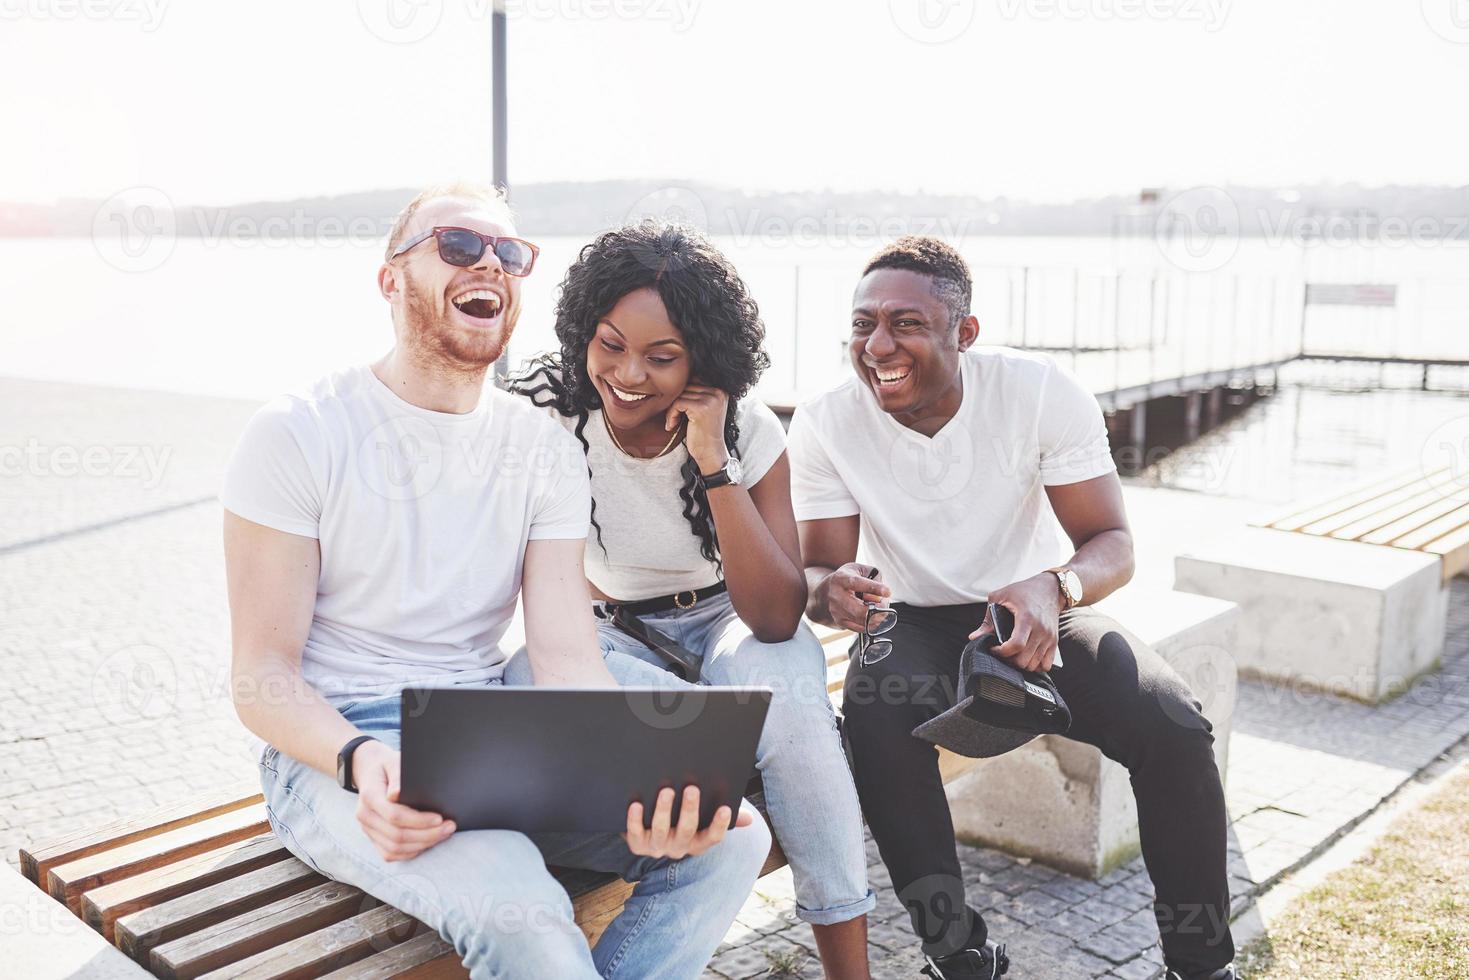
column 618, row 443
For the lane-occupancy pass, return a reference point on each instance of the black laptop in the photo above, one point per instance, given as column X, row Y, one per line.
column 538, row 759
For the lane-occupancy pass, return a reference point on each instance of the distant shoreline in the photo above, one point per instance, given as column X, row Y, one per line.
column 563, row 208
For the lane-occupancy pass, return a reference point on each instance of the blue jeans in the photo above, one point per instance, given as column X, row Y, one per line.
column 809, row 793
column 488, row 891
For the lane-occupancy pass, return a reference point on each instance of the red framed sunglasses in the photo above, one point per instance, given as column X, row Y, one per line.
column 465, row 246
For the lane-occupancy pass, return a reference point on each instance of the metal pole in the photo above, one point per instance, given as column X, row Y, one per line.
column 500, row 130
column 1024, row 302
column 498, row 97
column 1075, row 314
column 796, row 331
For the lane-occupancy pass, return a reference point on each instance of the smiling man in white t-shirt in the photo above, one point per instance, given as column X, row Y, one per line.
column 947, row 466
column 378, row 529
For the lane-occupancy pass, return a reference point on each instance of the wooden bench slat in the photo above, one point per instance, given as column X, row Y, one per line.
column 595, row 910
column 35, row 863
column 1366, row 522
column 1435, row 530
column 102, row 906
column 260, row 929
column 137, row 933
column 829, row 635
column 1453, row 550
column 1404, row 499
column 425, row 955
column 336, row 945
column 67, row 881
column 1322, row 509
column 1388, row 533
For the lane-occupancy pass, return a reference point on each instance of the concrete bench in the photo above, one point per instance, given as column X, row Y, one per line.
column 1348, row 595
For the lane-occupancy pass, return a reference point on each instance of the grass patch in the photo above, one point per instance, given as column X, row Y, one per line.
column 1400, row 911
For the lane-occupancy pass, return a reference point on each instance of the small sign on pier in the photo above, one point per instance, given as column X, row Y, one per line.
column 1346, row 294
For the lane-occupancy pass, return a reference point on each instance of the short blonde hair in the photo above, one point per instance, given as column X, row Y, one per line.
column 462, row 189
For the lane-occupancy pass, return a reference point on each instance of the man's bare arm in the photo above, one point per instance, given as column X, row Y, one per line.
column 560, row 633
column 1094, row 518
column 272, row 579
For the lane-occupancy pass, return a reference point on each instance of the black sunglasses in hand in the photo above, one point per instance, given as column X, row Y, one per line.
column 879, row 620
column 465, row 246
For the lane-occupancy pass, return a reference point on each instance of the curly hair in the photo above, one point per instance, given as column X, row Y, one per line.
column 938, row 260
column 706, row 300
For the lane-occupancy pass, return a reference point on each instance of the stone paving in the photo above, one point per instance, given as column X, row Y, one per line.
column 114, row 696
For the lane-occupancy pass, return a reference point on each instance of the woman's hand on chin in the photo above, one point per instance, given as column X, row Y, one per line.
column 705, row 409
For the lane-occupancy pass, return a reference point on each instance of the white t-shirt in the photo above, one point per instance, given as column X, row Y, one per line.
column 422, row 519
column 650, row 548
column 946, row 519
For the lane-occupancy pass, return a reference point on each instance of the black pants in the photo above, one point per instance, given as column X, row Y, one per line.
column 1124, row 699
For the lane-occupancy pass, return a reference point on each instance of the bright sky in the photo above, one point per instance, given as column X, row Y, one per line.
column 1047, row 99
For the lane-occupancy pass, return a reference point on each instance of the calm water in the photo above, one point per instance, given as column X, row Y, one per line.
column 1325, row 429
column 252, row 318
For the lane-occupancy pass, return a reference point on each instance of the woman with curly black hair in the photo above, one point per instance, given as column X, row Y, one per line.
column 694, row 558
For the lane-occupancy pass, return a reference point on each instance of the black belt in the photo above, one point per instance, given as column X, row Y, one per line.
column 662, row 603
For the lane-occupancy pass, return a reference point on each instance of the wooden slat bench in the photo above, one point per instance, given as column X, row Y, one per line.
column 1427, row 512
column 1347, row 595
column 203, row 888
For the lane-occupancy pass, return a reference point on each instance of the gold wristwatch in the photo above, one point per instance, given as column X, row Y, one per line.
column 1070, row 585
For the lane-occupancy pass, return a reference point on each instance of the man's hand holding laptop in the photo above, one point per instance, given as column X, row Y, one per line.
column 400, row 832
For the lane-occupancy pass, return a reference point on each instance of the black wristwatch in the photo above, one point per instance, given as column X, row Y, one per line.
column 729, row 475
column 344, row 762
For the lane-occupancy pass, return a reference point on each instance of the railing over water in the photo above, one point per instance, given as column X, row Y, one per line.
column 1132, row 334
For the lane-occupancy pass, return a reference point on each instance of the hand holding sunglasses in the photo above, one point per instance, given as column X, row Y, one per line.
column 464, row 247
column 880, row 619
